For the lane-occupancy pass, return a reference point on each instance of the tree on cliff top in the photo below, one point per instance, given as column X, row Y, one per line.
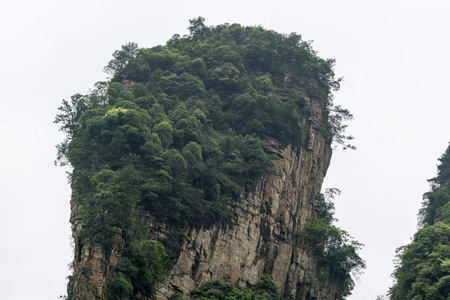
column 222, row 93
column 179, row 130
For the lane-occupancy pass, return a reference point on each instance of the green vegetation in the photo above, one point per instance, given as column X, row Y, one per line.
column 423, row 266
column 139, row 271
column 336, row 249
column 179, row 131
column 219, row 290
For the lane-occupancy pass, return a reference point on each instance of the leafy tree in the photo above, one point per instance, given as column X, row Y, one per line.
column 164, row 131
column 141, row 268
column 336, row 119
column 197, row 26
column 192, row 153
column 222, row 290
column 443, row 176
column 120, row 288
column 324, row 205
column 122, row 58
column 266, row 286
column 336, row 249
column 115, row 89
column 423, row 267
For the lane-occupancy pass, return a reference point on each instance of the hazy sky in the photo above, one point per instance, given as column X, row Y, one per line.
column 394, row 56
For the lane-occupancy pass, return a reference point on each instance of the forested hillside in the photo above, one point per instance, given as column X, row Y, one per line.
column 423, row 266
column 179, row 133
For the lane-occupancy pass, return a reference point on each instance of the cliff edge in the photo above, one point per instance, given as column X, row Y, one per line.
column 265, row 236
column 203, row 159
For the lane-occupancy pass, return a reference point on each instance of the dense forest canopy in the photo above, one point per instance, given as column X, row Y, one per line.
column 423, row 266
column 180, row 130
column 197, row 109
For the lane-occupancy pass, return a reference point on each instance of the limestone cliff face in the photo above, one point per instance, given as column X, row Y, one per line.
column 263, row 239
column 91, row 265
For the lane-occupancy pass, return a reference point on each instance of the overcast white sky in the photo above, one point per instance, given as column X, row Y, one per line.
column 392, row 54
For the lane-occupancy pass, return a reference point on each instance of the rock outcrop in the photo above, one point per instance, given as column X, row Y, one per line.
column 264, row 237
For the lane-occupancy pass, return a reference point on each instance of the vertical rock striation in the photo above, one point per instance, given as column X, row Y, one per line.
column 91, row 265
column 265, row 235
column 263, row 239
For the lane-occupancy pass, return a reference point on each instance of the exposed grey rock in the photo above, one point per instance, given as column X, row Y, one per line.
column 264, row 239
